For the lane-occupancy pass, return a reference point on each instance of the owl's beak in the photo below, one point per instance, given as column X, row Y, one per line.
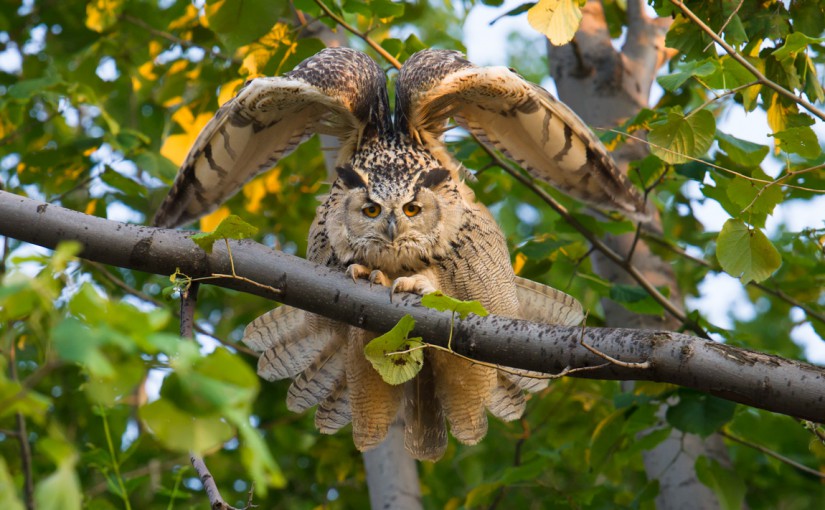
column 392, row 227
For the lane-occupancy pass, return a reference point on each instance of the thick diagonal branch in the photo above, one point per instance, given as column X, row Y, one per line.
column 760, row 380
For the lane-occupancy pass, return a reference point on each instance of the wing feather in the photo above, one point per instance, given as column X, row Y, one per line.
column 517, row 117
column 339, row 91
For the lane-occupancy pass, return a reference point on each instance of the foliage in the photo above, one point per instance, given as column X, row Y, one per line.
column 108, row 97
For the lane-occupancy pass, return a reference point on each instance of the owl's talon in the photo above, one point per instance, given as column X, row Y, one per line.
column 378, row 277
column 356, row 271
column 415, row 284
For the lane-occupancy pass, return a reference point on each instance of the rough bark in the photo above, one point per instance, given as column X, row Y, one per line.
column 756, row 379
column 606, row 87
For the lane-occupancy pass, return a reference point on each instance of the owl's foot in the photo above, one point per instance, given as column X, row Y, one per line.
column 356, row 271
column 416, row 284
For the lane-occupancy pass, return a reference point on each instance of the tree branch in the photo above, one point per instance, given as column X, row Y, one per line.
column 756, row 379
column 747, row 65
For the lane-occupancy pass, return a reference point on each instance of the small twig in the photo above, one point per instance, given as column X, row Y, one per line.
column 209, row 485
column 629, row 256
column 725, row 24
column 815, row 429
column 349, row 28
column 22, row 438
column 810, row 312
column 717, row 97
column 747, row 65
column 775, row 455
column 626, row 364
column 717, row 167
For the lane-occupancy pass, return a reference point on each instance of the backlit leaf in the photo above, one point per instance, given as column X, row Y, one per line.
column 439, row 301
column 746, row 253
column 558, row 20
column 232, row 227
column 396, row 368
column 725, row 483
column 681, row 137
column 182, row 432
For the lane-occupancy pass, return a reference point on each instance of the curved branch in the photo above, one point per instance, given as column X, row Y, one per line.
column 364, row 37
column 756, row 379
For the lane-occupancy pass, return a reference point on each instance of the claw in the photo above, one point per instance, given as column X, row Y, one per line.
column 416, row 284
column 380, row 278
column 356, row 271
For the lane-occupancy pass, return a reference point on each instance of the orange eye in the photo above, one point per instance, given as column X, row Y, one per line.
column 412, row 209
column 371, row 210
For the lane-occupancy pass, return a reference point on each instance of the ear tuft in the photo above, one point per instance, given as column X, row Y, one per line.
column 433, row 178
column 350, row 177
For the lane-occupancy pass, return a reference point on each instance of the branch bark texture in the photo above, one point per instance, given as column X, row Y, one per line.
column 756, row 379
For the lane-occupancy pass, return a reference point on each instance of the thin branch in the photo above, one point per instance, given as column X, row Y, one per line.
column 354, row 31
column 721, row 168
column 209, row 485
column 122, row 492
column 775, row 455
column 599, row 245
column 717, row 97
column 725, row 24
column 648, row 236
column 747, row 65
column 22, row 438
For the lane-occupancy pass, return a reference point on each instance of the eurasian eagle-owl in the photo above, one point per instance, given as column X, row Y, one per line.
column 400, row 214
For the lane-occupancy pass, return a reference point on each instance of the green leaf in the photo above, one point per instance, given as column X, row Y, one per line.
column 672, row 82
column 679, row 137
column 558, row 20
column 799, row 140
column 439, row 301
column 725, row 483
column 60, row 490
column 729, row 75
column 795, row 43
column 605, row 439
column 256, row 456
column 232, row 227
column 182, row 432
column 396, row 368
column 746, row 253
column 699, row 413
column 743, row 152
column 743, row 192
column 636, row 299
column 8, row 491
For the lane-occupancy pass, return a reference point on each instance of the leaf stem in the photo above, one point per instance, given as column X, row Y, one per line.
column 124, row 495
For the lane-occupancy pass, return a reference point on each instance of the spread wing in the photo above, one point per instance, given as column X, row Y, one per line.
column 339, row 91
column 517, row 117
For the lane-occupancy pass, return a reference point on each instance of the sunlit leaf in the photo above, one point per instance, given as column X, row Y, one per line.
column 741, row 151
column 681, row 137
column 8, row 491
column 231, row 227
column 799, row 140
column 746, row 253
column 239, row 23
column 400, row 367
column 102, row 14
column 60, row 490
column 439, row 301
column 558, row 20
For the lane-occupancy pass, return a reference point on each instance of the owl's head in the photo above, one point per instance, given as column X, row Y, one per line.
column 395, row 217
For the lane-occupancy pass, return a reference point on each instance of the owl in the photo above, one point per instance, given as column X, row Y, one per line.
column 400, row 214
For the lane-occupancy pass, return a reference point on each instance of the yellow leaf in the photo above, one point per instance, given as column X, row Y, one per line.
column 175, row 147
column 556, row 19
column 211, row 221
column 91, row 206
column 254, row 192
column 273, row 181
column 228, row 91
column 518, row 264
